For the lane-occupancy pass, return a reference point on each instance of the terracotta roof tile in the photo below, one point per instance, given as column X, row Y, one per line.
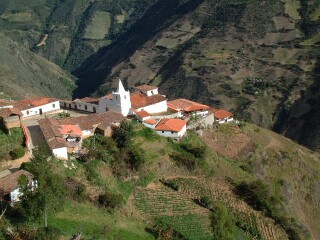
column 143, row 114
column 221, row 114
column 172, row 124
column 10, row 182
column 7, row 112
column 5, row 102
column 33, row 102
column 146, row 88
column 89, row 100
column 139, row 100
column 150, row 121
column 72, row 130
column 186, row 105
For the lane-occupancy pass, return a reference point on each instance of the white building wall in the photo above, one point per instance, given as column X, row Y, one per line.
column 120, row 103
column 149, row 125
column 87, row 133
column 225, row 120
column 155, row 108
column 151, row 92
column 173, row 134
column 87, row 107
column 54, row 106
column 61, row 153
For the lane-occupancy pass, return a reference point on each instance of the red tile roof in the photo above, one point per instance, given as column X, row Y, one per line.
column 7, row 112
column 146, row 88
column 72, row 130
column 186, row 105
column 221, row 114
column 172, row 124
column 89, row 100
column 53, row 130
column 143, row 114
column 10, row 182
column 150, row 121
column 5, row 102
column 33, row 102
column 139, row 100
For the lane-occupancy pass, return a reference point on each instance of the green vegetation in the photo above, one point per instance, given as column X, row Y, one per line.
column 11, row 146
column 17, row 153
column 222, row 222
column 99, row 26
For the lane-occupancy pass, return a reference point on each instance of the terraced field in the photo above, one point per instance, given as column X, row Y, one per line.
column 220, row 191
column 176, row 210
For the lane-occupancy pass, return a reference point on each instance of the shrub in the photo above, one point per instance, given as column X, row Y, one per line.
column 110, row 200
column 206, row 202
column 222, row 221
column 17, row 153
column 185, row 159
column 194, row 146
column 123, row 134
column 136, row 157
column 171, row 184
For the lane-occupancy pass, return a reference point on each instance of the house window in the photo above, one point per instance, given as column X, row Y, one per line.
column 85, row 107
column 28, row 112
column 171, row 132
column 151, row 92
column 162, row 131
column 53, row 105
column 116, row 97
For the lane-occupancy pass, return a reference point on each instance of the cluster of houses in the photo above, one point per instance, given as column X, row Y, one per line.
column 167, row 118
column 65, row 136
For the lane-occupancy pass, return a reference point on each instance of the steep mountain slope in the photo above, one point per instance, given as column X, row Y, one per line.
column 67, row 32
column 256, row 58
column 24, row 73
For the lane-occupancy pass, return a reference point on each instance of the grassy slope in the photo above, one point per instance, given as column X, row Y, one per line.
column 24, row 73
column 290, row 171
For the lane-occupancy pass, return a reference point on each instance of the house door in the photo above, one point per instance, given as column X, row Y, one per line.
column 40, row 111
column 94, row 110
column 75, row 107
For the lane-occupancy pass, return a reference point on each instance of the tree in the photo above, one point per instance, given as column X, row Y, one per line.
column 123, row 134
column 49, row 196
column 222, row 222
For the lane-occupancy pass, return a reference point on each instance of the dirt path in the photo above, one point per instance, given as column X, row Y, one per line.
column 17, row 163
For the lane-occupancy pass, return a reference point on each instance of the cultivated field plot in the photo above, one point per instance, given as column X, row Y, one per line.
column 175, row 209
column 220, row 191
column 99, row 26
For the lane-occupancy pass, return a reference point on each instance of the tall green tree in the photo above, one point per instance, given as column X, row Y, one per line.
column 222, row 222
column 49, row 196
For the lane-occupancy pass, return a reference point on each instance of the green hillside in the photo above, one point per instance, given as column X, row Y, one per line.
column 24, row 73
column 154, row 188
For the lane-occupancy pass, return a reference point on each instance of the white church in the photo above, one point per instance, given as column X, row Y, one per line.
column 145, row 98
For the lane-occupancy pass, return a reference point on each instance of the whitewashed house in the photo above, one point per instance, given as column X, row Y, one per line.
column 9, row 186
column 188, row 108
column 222, row 116
column 37, row 106
column 173, row 128
column 147, row 98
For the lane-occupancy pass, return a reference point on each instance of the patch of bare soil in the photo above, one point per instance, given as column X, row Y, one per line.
column 233, row 143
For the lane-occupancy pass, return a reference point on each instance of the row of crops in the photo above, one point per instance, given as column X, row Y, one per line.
column 253, row 222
